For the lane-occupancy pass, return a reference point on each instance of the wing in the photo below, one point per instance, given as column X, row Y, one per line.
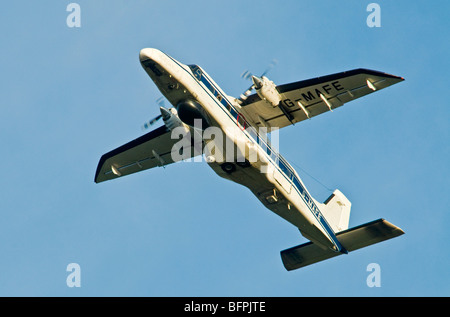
column 308, row 98
column 155, row 148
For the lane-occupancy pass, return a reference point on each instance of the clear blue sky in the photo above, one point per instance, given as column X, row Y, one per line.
column 69, row 95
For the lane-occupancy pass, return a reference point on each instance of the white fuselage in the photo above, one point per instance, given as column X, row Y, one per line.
column 271, row 179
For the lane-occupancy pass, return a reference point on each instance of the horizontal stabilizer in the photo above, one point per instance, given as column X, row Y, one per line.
column 351, row 239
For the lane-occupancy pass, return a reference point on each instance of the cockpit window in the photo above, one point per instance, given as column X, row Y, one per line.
column 152, row 65
column 196, row 71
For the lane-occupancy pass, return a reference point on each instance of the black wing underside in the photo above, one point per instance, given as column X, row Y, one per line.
column 150, row 150
column 308, row 98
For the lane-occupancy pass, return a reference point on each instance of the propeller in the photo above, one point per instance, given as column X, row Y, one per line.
column 272, row 64
column 255, row 79
column 151, row 122
column 148, row 124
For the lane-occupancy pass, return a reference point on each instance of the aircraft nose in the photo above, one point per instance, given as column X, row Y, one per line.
column 150, row 53
column 145, row 54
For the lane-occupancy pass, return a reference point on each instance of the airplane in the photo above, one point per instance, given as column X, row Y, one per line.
column 245, row 122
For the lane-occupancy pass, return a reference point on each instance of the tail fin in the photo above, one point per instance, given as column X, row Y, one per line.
column 336, row 210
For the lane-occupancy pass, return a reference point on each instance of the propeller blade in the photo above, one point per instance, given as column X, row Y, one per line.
column 148, row 124
column 160, row 101
column 271, row 65
column 244, row 95
column 151, row 122
column 246, row 75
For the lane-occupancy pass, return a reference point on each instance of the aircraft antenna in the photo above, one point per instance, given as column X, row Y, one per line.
column 318, row 181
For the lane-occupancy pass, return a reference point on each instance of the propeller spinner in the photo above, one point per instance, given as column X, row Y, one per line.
column 257, row 81
column 164, row 114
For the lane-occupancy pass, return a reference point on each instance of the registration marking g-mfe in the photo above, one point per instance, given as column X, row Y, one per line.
column 311, row 95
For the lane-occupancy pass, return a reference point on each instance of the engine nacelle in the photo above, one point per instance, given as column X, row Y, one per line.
column 267, row 90
column 171, row 119
column 190, row 110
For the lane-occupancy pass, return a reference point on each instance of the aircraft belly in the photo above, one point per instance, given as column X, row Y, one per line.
column 275, row 197
column 267, row 190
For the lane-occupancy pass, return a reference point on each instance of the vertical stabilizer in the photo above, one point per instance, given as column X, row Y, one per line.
column 336, row 210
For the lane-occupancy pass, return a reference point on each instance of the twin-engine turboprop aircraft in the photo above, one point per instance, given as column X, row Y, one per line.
column 242, row 152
